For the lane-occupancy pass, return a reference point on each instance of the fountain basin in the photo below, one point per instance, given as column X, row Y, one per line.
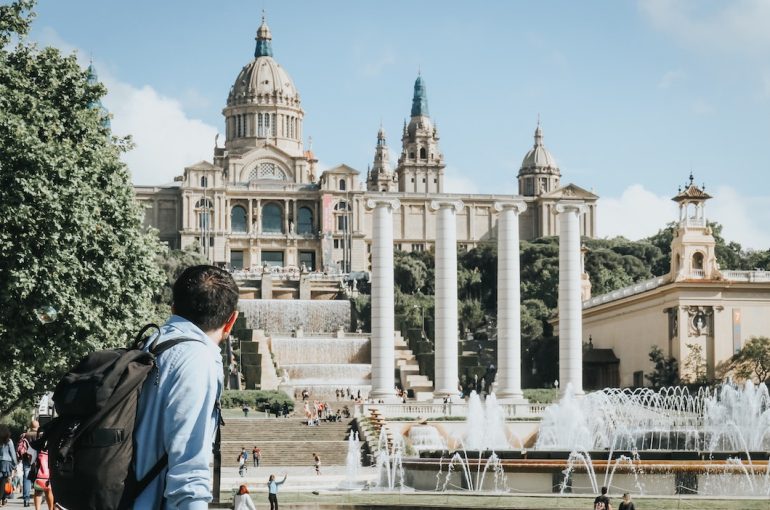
column 723, row 473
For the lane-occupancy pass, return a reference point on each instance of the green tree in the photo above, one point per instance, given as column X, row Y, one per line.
column 71, row 235
column 666, row 371
column 753, row 360
column 695, row 365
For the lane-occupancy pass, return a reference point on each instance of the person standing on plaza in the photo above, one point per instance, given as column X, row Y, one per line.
column 317, row 463
column 242, row 500
column 626, row 504
column 256, row 455
column 272, row 489
column 26, row 459
column 242, row 461
column 178, row 412
column 8, row 460
column 602, row 502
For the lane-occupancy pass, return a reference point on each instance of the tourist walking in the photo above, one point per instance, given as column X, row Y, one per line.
column 177, row 412
column 602, row 502
column 272, row 489
column 256, row 456
column 242, row 458
column 626, row 504
column 42, row 479
column 24, row 455
column 317, row 463
column 242, row 500
column 8, row 461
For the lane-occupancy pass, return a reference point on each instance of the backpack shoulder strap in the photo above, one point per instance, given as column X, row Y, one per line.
column 159, row 348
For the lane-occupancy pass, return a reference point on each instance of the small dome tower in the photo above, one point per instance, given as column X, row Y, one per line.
column 381, row 176
column 693, row 254
column 539, row 172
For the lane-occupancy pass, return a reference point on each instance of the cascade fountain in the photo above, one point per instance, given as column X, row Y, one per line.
column 311, row 345
column 285, row 315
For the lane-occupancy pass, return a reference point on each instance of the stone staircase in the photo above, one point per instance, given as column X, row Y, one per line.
column 285, row 441
column 409, row 369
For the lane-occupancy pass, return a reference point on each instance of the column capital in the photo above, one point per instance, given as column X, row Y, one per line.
column 457, row 205
column 570, row 206
column 518, row 206
column 375, row 202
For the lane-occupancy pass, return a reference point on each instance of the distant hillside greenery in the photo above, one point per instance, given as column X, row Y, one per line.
column 610, row 263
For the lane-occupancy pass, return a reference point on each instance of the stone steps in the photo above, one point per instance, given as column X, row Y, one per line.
column 285, row 441
column 411, row 379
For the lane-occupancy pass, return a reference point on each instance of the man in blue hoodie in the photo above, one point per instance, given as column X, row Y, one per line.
column 178, row 412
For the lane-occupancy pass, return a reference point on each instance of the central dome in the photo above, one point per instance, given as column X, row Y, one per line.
column 539, row 159
column 263, row 80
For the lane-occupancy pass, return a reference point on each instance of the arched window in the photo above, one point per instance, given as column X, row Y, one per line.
column 423, row 153
column 204, row 182
column 697, row 261
column 204, row 208
column 238, row 219
column 342, row 206
column 305, row 223
column 343, row 185
column 272, row 219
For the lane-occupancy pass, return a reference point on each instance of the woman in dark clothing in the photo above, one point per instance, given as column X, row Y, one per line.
column 626, row 504
column 8, row 460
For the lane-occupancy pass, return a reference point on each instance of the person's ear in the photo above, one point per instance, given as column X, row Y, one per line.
column 230, row 323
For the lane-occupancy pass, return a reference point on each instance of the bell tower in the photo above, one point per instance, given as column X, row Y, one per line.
column 693, row 247
column 380, row 176
column 421, row 164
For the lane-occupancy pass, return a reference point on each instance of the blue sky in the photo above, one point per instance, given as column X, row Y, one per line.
column 632, row 95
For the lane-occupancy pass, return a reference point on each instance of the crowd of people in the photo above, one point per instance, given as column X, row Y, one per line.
column 24, row 468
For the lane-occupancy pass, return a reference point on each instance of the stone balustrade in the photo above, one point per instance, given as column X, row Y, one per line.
column 439, row 410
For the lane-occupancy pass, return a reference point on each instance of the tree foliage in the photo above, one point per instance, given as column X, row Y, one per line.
column 71, row 235
column 752, row 361
column 666, row 371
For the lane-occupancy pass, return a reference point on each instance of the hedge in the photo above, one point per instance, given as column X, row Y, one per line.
column 260, row 399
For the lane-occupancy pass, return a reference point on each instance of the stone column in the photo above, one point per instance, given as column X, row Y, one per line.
column 570, row 304
column 446, row 298
column 508, row 377
column 383, row 303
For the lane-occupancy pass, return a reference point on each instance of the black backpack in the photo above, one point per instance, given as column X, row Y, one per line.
column 91, row 442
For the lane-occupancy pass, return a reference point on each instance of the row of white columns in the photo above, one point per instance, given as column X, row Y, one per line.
column 508, row 299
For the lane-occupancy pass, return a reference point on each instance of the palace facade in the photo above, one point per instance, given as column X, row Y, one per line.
column 263, row 201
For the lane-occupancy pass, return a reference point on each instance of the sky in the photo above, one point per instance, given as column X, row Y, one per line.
column 632, row 95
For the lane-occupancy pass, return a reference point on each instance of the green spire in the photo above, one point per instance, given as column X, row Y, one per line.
column 92, row 79
column 420, row 99
column 264, row 40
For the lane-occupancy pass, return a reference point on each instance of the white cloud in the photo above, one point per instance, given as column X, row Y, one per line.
column 744, row 219
column 737, row 26
column 166, row 139
column 635, row 214
column 639, row 213
column 671, row 78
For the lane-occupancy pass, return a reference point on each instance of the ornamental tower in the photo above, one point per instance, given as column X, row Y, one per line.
column 539, row 172
column 693, row 253
column 380, row 176
column 263, row 106
column 421, row 164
